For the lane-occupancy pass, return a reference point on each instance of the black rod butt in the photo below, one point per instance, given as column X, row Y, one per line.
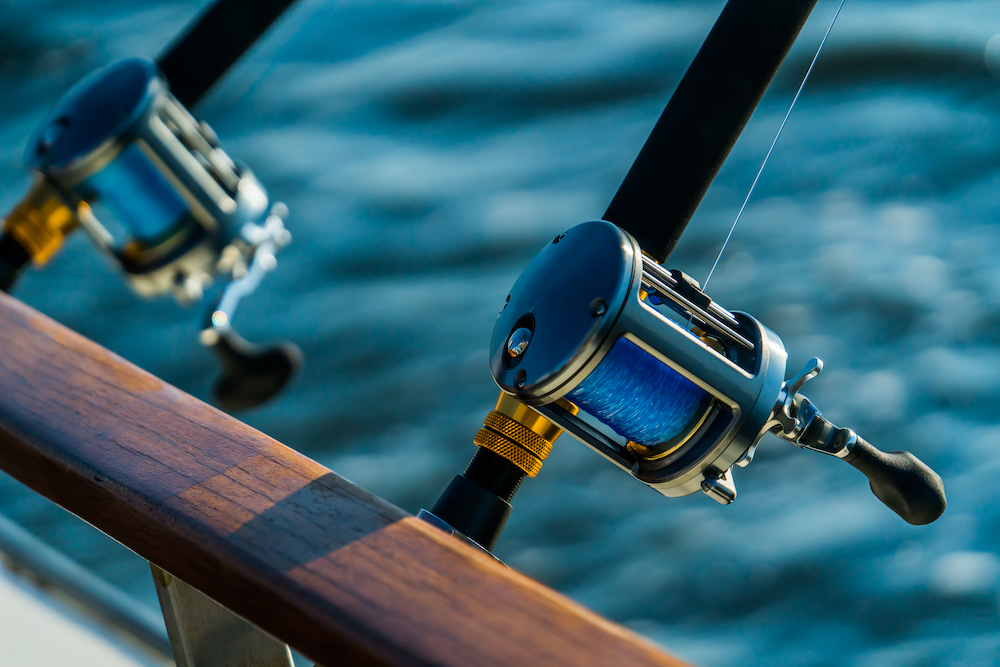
column 13, row 259
column 473, row 511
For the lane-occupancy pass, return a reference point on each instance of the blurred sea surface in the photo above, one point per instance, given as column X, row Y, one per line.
column 428, row 149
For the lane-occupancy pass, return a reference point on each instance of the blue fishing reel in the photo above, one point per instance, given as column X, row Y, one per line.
column 154, row 190
column 642, row 366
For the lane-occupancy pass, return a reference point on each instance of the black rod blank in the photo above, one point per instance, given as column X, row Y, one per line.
column 703, row 119
column 216, row 39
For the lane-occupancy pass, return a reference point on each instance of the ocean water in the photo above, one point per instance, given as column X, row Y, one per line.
column 428, row 149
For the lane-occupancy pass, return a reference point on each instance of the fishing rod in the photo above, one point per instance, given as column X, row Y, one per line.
column 121, row 156
column 599, row 339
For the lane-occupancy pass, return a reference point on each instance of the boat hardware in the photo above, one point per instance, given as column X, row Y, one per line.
column 597, row 338
column 340, row 575
column 48, row 569
column 203, row 632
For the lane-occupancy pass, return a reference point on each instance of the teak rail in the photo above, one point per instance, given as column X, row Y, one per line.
column 337, row 573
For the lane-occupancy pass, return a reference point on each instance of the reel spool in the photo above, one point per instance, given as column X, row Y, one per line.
column 122, row 158
column 670, row 386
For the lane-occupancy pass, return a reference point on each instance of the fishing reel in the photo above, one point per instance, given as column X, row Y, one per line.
column 642, row 366
column 120, row 157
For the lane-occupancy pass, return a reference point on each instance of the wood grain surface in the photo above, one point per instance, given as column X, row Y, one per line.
column 334, row 571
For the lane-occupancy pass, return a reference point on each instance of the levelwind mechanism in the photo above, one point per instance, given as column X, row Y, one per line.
column 121, row 157
column 598, row 339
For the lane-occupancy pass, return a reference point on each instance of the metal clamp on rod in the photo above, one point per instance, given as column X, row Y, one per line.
column 33, row 231
column 513, row 443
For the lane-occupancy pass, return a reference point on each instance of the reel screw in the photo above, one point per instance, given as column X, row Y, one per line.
column 521, row 379
column 598, row 307
column 51, row 133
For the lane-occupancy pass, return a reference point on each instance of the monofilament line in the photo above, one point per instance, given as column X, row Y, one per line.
column 771, row 149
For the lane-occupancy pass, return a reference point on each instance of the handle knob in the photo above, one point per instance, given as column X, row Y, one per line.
column 251, row 374
column 902, row 481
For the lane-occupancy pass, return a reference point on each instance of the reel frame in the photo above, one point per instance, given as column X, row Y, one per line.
column 739, row 382
column 225, row 205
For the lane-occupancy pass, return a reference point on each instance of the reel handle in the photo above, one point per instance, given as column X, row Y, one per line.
column 251, row 374
column 903, row 482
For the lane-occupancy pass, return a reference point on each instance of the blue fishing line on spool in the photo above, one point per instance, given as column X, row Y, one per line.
column 638, row 396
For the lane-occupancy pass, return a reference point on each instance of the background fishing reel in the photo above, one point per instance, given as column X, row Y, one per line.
column 642, row 366
column 120, row 157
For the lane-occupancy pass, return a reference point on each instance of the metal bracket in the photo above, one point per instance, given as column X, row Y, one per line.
column 721, row 489
column 441, row 524
column 796, row 420
column 203, row 633
column 261, row 243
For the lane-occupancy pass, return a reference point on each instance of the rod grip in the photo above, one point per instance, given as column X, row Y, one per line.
column 902, row 481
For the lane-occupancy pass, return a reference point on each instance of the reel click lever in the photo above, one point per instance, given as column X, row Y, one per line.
column 899, row 479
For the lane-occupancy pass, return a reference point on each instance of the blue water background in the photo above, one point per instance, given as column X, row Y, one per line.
column 428, row 149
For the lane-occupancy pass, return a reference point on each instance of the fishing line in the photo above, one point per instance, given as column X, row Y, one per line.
column 294, row 22
column 637, row 395
column 771, row 149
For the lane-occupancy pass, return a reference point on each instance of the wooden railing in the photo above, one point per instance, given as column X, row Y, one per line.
column 334, row 571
